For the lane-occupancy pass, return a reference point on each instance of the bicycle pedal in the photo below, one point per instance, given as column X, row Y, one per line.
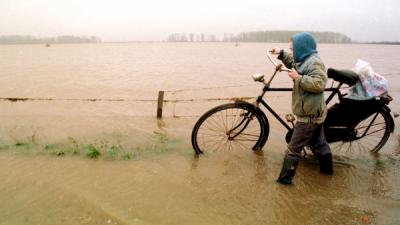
column 290, row 118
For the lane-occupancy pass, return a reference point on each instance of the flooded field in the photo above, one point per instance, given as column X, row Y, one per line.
column 66, row 159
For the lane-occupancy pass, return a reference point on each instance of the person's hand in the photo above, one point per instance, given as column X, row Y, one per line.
column 293, row 74
column 275, row 50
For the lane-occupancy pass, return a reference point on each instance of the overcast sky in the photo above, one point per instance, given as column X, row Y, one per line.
column 153, row 20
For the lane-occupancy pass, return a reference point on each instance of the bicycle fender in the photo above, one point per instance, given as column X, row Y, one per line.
column 391, row 121
column 264, row 139
column 257, row 109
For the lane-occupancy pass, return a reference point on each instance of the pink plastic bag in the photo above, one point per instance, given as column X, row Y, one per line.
column 374, row 84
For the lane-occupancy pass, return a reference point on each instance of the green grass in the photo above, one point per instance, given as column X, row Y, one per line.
column 128, row 156
column 60, row 153
column 4, row 147
column 113, row 151
column 92, row 152
column 105, row 148
column 56, row 149
column 75, row 146
column 22, row 144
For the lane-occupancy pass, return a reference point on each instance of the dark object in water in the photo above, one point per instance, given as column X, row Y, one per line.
column 288, row 170
column 325, row 164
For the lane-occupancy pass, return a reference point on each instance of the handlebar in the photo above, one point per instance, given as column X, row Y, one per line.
column 278, row 66
column 260, row 78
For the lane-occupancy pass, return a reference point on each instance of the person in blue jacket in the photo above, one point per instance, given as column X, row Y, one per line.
column 308, row 105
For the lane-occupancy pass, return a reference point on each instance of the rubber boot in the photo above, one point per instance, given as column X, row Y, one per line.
column 325, row 164
column 288, row 171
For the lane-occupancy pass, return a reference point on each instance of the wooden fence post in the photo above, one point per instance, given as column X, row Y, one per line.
column 160, row 104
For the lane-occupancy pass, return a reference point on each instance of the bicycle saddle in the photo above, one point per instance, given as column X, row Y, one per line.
column 348, row 77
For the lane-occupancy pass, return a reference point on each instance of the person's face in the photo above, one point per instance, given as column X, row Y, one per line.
column 291, row 48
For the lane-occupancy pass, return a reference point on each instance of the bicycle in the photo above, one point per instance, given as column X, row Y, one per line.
column 363, row 125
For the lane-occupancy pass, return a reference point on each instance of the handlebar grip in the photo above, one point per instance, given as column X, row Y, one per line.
column 276, row 64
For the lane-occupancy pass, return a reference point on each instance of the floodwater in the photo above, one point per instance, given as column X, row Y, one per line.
column 103, row 97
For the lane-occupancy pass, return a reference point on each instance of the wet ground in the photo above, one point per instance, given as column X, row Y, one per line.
column 112, row 162
column 164, row 183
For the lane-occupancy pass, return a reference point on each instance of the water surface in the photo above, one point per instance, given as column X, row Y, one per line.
column 147, row 173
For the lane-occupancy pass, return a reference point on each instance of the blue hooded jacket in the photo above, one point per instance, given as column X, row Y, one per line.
column 308, row 103
column 304, row 45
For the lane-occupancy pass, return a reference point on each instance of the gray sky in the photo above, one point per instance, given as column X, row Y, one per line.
column 153, row 20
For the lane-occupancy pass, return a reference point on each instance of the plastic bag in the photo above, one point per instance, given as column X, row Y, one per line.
column 371, row 84
column 374, row 84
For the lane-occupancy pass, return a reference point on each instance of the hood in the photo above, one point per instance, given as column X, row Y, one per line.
column 304, row 45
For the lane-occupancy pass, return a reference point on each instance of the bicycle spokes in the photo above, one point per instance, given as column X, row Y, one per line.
column 231, row 128
column 238, row 129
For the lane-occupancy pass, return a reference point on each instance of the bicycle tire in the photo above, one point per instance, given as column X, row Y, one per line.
column 216, row 123
column 376, row 137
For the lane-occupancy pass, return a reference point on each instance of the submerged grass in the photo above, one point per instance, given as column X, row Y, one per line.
column 108, row 148
column 23, row 144
column 4, row 147
column 128, row 156
column 113, row 152
column 58, row 149
column 92, row 152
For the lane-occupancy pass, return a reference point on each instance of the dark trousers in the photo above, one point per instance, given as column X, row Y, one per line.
column 308, row 134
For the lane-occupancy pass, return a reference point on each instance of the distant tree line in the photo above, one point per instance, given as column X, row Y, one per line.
column 259, row 36
column 385, row 42
column 191, row 37
column 284, row 36
column 26, row 39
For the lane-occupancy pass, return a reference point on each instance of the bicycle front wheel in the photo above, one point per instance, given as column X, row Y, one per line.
column 230, row 127
column 370, row 134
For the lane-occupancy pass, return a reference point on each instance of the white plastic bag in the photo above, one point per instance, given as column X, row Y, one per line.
column 374, row 84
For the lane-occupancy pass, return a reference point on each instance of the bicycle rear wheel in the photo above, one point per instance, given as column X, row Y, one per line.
column 230, row 127
column 370, row 134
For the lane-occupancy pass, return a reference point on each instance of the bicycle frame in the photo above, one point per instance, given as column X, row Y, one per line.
column 278, row 68
column 267, row 88
column 343, row 123
column 261, row 101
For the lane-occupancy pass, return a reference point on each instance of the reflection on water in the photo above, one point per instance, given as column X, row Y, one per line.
column 46, row 177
